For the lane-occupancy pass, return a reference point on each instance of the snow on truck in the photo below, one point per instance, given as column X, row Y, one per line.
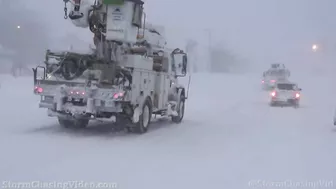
column 130, row 76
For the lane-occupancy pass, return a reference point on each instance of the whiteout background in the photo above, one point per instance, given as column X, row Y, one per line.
column 229, row 136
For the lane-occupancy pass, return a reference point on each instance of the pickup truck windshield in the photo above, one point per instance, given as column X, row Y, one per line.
column 286, row 86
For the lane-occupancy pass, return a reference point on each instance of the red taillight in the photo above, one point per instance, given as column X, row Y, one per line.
column 297, row 95
column 262, row 81
column 273, row 94
column 39, row 89
column 273, row 81
column 118, row 95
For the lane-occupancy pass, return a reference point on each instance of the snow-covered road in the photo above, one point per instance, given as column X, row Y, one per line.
column 230, row 136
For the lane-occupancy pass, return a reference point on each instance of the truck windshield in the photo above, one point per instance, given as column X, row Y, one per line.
column 275, row 65
column 286, row 86
column 277, row 74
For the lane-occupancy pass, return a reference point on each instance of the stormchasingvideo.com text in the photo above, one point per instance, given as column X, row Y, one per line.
column 58, row 185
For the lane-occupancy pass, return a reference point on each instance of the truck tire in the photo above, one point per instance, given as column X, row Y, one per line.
column 296, row 105
column 145, row 118
column 180, row 110
column 73, row 123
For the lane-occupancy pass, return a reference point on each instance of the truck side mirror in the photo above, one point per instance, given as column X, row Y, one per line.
column 184, row 65
column 39, row 73
column 180, row 64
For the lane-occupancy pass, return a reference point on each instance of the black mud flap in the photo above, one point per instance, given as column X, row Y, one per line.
column 35, row 73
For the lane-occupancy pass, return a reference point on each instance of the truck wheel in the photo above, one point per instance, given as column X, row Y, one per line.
column 296, row 105
column 145, row 118
column 73, row 123
column 180, row 110
column 272, row 104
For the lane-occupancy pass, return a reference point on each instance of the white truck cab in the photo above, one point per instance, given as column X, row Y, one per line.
column 285, row 93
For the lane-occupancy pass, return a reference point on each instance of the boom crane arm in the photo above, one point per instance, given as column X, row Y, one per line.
column 80, row 12
column 74, row 14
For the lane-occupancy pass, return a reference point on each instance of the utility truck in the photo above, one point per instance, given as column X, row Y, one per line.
column 130, row 76
column 277, row 72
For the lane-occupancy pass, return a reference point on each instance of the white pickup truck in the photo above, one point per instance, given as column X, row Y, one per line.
column 285, row 93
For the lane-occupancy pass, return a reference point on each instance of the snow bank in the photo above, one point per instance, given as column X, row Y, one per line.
column 229, row 133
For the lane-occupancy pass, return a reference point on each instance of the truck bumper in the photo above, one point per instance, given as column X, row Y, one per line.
column 285, row 101
column 74, row 101
column 52, row 113
column 91, row 107
column 47, row 105
column 267, row 86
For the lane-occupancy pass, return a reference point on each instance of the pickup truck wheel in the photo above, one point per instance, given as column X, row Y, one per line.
column 180, row 110
column 296, row 105
column 145, row 118
column 73, row 123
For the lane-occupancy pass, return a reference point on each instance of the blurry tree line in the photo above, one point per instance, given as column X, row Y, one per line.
column 223, row 60
column 190, row 48
column 23, row 33
column 220, row 59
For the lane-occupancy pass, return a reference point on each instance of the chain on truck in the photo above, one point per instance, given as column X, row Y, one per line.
column 130, row 76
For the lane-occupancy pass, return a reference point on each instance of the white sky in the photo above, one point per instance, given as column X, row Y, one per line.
column 261, row 30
